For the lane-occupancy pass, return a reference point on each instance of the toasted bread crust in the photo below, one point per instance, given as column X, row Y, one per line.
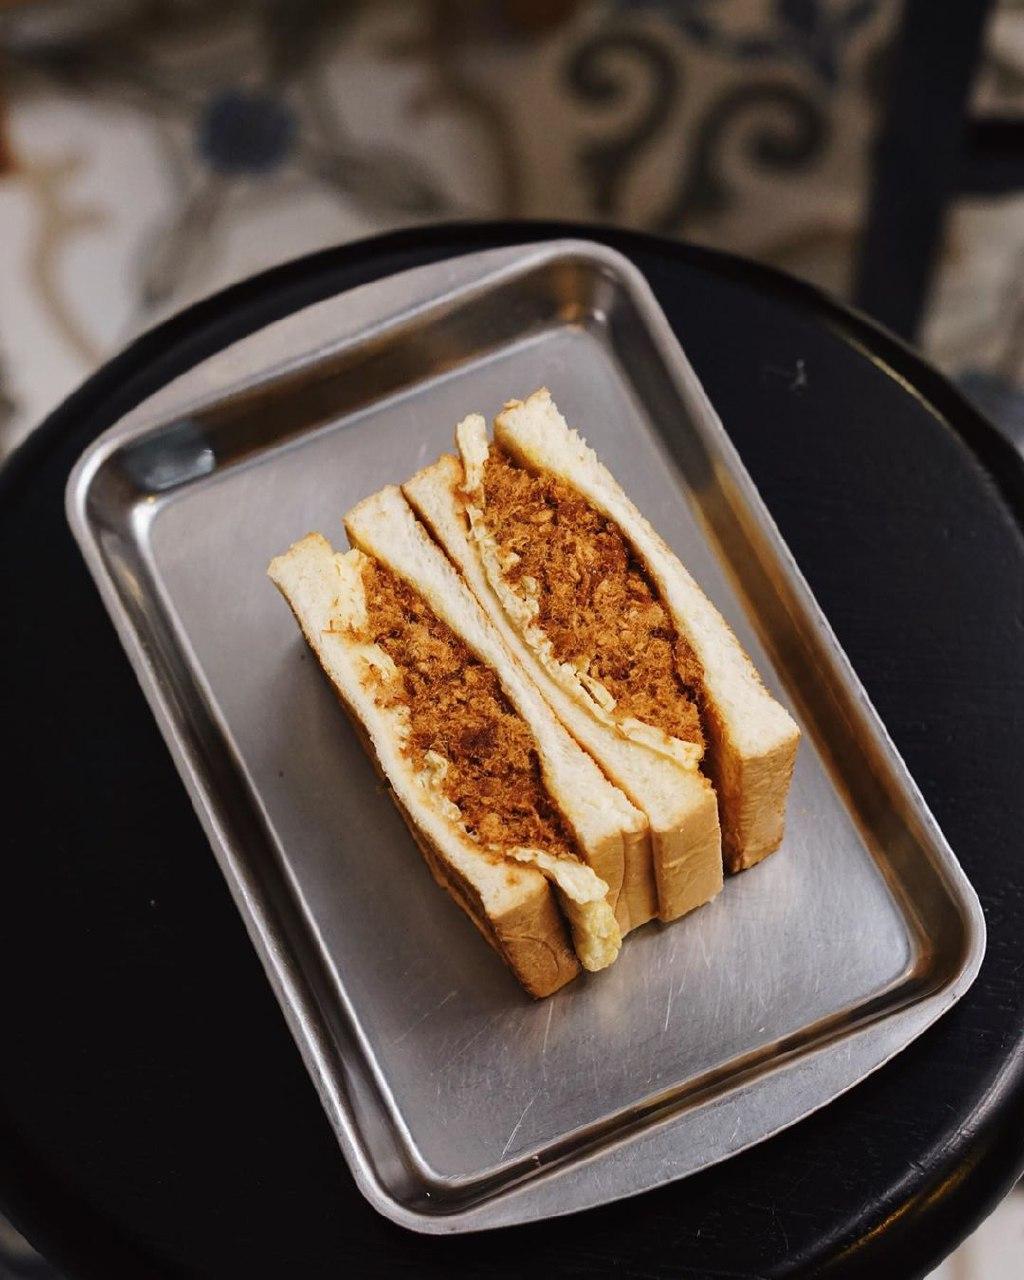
column 530, row 936
column 752, row 790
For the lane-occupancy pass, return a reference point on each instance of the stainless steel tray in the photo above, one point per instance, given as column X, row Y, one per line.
column 458, row 1102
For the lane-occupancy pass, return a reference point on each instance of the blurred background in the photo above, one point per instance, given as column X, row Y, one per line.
column 154, row 151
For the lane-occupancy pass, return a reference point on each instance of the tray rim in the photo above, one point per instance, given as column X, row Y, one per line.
column 288, row 981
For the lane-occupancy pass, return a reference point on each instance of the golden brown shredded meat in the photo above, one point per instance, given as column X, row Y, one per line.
column 458, row 709
column 596, row 602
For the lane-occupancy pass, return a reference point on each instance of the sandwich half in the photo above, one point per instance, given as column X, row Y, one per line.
column 512, row 906
column 618, row 623
column 469, row 771
column 528, row 763
column 680, row 865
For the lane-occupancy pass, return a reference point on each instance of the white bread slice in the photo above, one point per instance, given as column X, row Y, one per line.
column 514, row 908
column 752, row 740
column 602, row 820
column 680, row 866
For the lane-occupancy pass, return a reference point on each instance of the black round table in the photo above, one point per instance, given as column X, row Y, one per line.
column 156, row 1118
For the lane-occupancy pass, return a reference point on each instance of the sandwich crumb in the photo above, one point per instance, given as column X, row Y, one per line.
column 596, row 602
column 458, row 710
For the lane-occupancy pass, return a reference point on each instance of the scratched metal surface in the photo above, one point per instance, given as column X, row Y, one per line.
column 458, row 1102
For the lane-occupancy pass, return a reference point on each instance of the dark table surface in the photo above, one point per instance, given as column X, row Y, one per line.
column 155, row 1117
